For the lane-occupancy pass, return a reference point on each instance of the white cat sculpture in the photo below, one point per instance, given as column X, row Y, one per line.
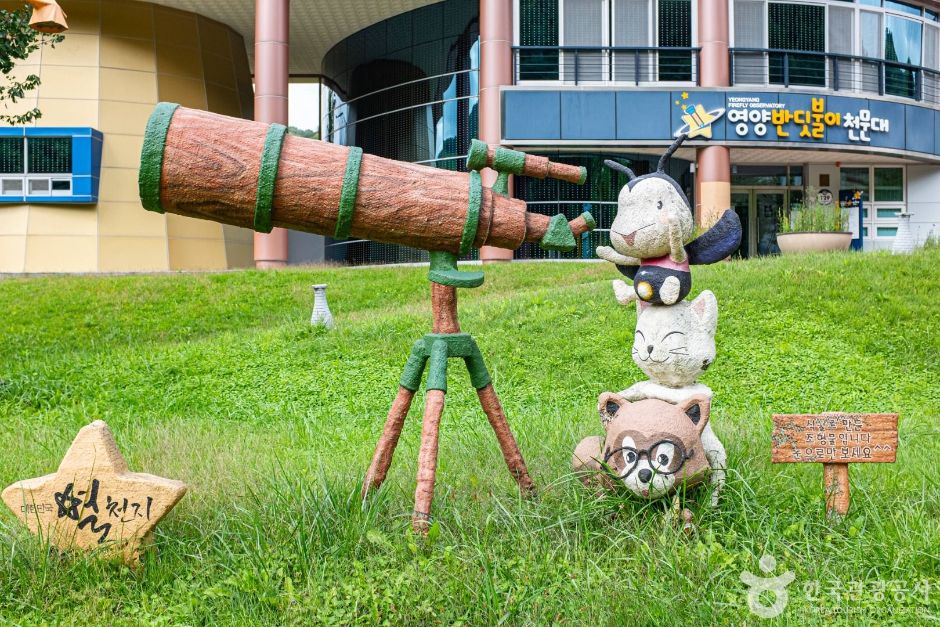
column 673, row 346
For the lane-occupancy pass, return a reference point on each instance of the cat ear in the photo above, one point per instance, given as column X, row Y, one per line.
column 641, row 306
column 705, row 309
column 697, row 408
column 608, row 404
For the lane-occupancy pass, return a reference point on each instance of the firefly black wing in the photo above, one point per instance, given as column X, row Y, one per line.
column 628, row 271
column 716, row 243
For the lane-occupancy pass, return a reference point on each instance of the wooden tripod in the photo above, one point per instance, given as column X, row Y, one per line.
column 445, row 341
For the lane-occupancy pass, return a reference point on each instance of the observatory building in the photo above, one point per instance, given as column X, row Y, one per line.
column 836, row 98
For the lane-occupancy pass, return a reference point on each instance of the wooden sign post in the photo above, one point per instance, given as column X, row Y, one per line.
column 835, row 440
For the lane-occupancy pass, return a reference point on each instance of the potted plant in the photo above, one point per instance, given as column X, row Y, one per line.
column 813, row 226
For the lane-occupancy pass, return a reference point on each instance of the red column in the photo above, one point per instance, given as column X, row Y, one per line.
column 713, row 163
column 272, row 29
column 495, row 70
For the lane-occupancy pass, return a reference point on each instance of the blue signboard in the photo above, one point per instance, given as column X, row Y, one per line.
column 725, row 116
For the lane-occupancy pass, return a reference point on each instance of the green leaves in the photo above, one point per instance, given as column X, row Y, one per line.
column 17, row 42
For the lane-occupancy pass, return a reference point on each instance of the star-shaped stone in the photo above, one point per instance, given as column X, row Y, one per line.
column 93, row 502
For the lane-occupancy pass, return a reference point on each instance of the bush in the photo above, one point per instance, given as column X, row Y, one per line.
column 812, row 216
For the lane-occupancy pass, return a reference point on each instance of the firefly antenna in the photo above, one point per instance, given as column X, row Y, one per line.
column 669, row 152
column 619, row 167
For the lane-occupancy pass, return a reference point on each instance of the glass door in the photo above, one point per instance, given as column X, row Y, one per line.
column 741, row 203
column 759, row 210
column 767, row 206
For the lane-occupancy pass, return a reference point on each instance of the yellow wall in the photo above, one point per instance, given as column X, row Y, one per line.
column 119, row 58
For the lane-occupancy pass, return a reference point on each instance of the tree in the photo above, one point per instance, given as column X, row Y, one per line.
column 303, row 132
column 17, row 42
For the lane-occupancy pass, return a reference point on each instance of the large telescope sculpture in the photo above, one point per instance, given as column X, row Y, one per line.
column 255, row 175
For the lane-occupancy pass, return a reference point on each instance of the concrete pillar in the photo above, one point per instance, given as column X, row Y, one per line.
column 272, row 29
column 713, row 163
column 495, row 70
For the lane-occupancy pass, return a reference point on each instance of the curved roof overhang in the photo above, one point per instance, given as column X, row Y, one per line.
column 315, row 25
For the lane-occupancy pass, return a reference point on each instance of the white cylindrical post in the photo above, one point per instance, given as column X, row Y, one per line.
column 321, row 310
column 904, row 239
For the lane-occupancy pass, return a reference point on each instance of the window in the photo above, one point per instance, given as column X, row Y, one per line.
column 903, row 7
column 889, row 184
column 797, row 27
column 44, row 155
column 796, row 175
column 675, row 31
column 871, row 34
column 584, row 25
column 50, row 155
column 855, row 179
column 631, row 29
column 12, row 154
column 599, row 24
column 538, row 26
column 775, row 175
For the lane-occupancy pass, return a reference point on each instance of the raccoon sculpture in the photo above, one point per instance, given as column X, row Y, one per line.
column 652, row 447
column 650, row 237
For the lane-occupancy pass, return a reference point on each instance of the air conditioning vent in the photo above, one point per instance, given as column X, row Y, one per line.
column 11, row 186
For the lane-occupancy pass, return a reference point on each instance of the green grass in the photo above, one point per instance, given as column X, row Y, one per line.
column 218, row 380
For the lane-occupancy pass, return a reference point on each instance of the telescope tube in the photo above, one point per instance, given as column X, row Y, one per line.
column 253, row 175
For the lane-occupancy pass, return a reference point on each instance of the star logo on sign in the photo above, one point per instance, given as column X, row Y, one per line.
column 93, row 501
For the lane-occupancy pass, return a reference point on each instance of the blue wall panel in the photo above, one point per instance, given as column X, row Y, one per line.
column 894, row 113
column 643, row 115
column 588, row 115
column 919, row 129
column 532, row 114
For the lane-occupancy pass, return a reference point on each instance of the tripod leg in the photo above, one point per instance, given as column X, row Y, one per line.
column 427, row 460
column 507, row 443
column 480, row 379
column 427, row 456
column 385, row 448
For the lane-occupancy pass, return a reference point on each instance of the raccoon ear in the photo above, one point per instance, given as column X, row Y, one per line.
column 608, row 404
column 697, row 408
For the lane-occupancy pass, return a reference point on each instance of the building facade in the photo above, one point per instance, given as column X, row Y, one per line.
column 68, row 183
column 839, row 99
column 836, row 98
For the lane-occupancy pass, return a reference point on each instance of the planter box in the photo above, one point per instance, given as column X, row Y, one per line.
column 791, row 243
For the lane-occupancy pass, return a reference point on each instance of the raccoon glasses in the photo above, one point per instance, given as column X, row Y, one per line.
column 666, row 457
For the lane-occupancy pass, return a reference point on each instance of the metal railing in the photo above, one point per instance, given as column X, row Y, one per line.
column 836, row 72
column 575, row 65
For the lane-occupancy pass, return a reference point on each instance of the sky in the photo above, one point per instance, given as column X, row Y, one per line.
column 303, row 105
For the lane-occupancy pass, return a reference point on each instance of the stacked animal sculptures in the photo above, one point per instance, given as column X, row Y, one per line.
column 658, row 434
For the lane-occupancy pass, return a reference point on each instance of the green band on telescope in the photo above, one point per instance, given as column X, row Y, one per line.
column 347, row 198
column 589, row 220
column 267, row 174
column 473, row 212
column 476, row 158
column 508, row 160
column 583, row 177
column 151, row 157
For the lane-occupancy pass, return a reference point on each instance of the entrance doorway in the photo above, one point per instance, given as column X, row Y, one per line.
column 759, row 210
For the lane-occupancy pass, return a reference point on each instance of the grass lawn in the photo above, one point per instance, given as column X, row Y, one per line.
column 218, row 380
